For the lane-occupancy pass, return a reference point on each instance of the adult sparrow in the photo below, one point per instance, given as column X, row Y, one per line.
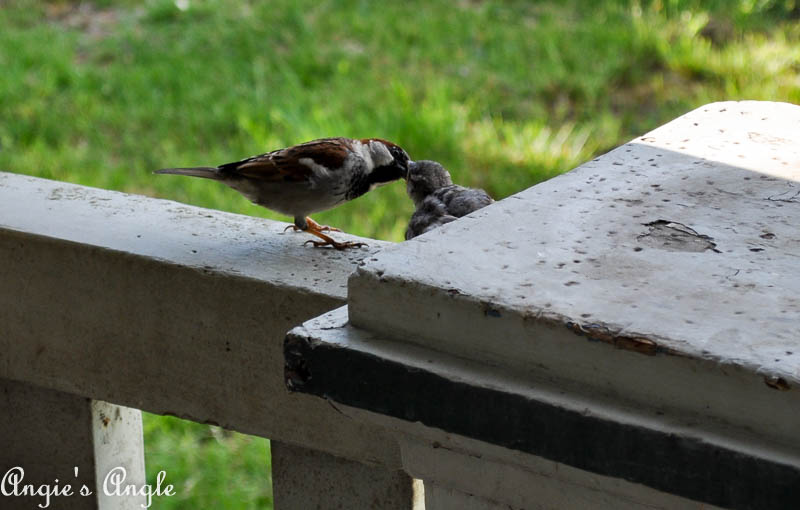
column 437, row 199
column 310, row 177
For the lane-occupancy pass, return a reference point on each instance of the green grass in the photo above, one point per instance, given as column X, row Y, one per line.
column 504, row 93
column 209, row 467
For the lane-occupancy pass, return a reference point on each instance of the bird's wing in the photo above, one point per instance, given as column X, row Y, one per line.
column 291, row 164
column 430, row 213
column 460, row 201
column 426, row 220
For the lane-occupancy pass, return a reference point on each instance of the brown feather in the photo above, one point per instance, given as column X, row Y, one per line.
column 284, row 165
column 328, row 152
column 273, row 170
column 385, row 142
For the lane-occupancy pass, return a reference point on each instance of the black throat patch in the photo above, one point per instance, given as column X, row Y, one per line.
column 360, row 183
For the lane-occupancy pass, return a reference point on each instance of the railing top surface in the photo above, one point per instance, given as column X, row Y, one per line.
column 621, row 319
column 683, row 241
column 168, row 308
column 177, row 233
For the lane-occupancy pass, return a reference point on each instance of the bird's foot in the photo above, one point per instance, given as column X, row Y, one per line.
column 328, row 240
column 313, row 225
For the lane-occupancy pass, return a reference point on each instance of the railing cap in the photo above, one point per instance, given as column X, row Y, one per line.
column 683, row 241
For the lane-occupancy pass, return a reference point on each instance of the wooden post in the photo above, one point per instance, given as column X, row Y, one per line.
column 305, row 479
column 64, row 451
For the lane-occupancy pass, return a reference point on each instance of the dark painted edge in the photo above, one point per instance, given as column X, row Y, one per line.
column 675, row 464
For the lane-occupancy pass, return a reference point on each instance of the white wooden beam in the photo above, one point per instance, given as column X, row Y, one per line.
column 169, row 308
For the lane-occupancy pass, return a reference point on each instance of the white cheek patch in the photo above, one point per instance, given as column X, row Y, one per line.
column 380, row 154
column 365, row 153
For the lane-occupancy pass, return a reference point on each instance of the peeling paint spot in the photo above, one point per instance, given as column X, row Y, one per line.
column 777, row 383
column 598, row 333
column 674, row 236
column 491, row 312
column 296, row 372
column 786, row 196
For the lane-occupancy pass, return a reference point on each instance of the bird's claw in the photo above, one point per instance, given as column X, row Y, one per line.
column 315, row 227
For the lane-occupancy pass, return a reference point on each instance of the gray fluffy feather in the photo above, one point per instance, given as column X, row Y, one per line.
column 438, row 201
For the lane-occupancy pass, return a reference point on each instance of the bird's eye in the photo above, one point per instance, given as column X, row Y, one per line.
column 398, row 153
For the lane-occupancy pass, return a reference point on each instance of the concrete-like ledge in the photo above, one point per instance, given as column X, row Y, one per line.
column 169, row 308
column 663, row 274
column 176, row 233
column 634, row 319
column 481, row 430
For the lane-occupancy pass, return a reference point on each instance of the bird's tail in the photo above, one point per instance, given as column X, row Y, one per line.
column 207, row 172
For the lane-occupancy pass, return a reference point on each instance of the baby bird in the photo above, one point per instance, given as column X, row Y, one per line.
column 437, row 199
column 310, row 177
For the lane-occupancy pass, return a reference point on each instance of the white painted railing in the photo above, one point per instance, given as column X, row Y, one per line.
column 623, row 336
column 155, row 305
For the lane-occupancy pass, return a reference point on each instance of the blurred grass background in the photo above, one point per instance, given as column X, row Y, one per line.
column 504, row 93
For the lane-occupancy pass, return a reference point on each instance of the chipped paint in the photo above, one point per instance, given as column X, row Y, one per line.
column 674, row 236
column 777, row 383
column 629, row 343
